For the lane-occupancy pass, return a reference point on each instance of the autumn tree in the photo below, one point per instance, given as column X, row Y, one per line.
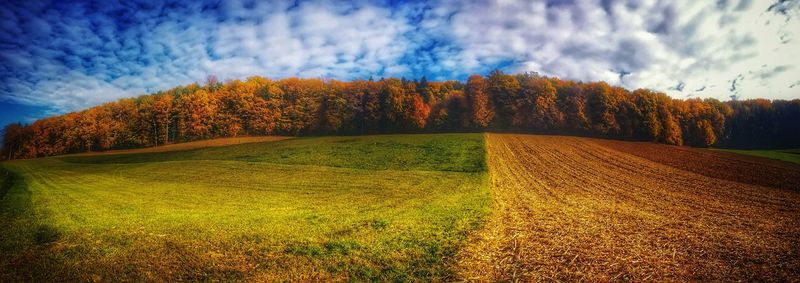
column 197, row 113
column 536, row 105
column 123, row 115
column 480, row 105
column 294, row 106
column 13, row 140
column 336, row 108
column 264, row 109
column 370, row 112
column 423, row 88
column 300, row 103
column 105, row 132
column 419, row 112
column 394, row 107
column 697, row 119
column 503, row 90
column 573, row 102
column 162, row 116
column 231, row 110
column 650, row 127
column 603, row 101
column 454, row 112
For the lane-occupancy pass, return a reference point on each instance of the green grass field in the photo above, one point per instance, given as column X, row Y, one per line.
column 393, row 207
column 789, row 155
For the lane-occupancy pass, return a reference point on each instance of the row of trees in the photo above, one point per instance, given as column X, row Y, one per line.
column 501, row 102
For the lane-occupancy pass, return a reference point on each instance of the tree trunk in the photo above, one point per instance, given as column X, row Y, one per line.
column 155, row 131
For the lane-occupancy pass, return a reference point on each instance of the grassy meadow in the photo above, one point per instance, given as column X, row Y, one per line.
column 788, row 155
column 394, row 207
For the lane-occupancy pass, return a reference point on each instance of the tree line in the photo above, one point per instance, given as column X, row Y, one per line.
column 524, row 102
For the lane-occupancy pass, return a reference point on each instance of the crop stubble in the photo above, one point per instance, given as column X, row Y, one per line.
column 568, row 208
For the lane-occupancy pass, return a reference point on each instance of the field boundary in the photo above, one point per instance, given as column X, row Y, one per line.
column 186, row 145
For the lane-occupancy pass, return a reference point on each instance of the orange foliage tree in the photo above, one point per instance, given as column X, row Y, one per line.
column 294, row 106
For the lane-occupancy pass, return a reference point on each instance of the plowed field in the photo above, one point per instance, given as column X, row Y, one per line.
column 568, row 208
column 715, row 164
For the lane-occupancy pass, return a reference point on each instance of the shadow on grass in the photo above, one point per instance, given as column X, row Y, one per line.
column 131, row 158
column 6, row 182
column 456, row 153
column 27, row 237
column 15, row 198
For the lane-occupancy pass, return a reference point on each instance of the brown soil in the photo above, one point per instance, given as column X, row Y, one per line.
column 723, row 165
column 573, row 209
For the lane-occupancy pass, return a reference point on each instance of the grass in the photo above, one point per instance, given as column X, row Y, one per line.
column 437, row 152
column 788, row 155
column 188, row 145
column 395, row 207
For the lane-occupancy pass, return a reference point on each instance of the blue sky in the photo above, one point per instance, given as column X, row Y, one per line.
column 61, row 56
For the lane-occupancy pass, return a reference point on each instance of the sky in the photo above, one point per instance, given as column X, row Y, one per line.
column 62, row 56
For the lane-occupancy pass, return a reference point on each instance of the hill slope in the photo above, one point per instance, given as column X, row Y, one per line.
column 359, row 208
column 403, row 207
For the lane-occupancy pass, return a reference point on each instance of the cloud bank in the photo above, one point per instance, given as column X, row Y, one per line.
column 70, row 56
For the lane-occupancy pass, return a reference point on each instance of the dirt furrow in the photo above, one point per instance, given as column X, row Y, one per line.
column 568, row 208
column 714, row 164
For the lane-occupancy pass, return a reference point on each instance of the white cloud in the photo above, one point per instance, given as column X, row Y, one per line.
column 88, row 60
column 312, row 41
column 67, row 58
column 636, row 44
